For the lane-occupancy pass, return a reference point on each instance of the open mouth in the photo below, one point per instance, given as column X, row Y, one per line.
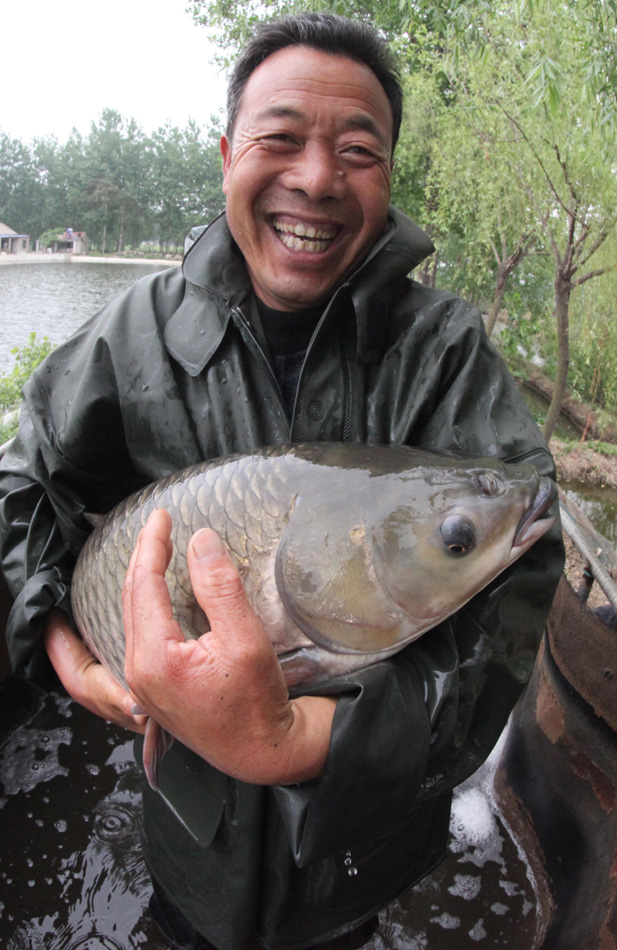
column 304, row 237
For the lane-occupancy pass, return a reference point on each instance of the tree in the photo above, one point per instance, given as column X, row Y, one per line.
column 20, row 191
column 47, row 238
column 561, row 160
column 186, row 166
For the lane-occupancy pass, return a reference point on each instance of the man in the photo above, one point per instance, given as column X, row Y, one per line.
column 286, row 822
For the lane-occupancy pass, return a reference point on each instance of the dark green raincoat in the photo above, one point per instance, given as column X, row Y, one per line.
column 173, row 372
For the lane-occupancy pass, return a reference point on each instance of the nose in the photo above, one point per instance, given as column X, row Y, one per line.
column 317, row 172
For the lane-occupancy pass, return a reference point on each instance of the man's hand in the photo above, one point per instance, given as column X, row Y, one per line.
column 84, row 678
column 224, row 695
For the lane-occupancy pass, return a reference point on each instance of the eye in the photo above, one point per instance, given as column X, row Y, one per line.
column 278, row 140
column 489, row 484
column 458, row 535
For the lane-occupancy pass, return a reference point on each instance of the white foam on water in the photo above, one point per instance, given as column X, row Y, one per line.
column 392, row 933
column 30, row 757
column 499, row 909
column 510, row 887
column 466, row 886
column 447, row 921
column 478, row 932
column 474, row 829
column 475, row 833
column 122, row 758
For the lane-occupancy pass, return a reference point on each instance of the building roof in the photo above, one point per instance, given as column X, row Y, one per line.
column 7, row 232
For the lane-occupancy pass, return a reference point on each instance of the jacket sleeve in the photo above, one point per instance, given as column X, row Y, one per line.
column 415, row 726
column 45, row 491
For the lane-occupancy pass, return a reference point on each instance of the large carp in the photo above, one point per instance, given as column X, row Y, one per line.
column 348, row 552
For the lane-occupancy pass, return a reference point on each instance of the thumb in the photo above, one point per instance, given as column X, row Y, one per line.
column 218, row 587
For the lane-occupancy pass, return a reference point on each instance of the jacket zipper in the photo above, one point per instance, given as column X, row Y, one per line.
column 299, row 402
column 246, row 327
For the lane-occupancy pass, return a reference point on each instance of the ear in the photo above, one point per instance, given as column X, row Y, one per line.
column 226, row 153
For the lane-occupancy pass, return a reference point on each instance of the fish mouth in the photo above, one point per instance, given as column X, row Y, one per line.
column 300, row 235
column 537, row 519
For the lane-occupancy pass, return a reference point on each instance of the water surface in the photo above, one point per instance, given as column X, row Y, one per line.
column 54, row 300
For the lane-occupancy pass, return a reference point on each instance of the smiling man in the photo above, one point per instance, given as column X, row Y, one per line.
column 279, row 823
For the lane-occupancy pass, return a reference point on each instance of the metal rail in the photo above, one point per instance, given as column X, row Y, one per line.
column 602, row 576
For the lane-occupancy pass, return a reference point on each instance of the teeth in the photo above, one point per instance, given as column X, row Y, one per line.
column 301, row 237
column 299, row 244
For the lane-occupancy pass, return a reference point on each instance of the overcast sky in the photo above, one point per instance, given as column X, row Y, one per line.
column 62, row 63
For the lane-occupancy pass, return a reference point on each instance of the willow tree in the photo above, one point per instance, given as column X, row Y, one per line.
column 522, row 86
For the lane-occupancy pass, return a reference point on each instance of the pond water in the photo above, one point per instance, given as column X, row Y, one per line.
column 54, row 300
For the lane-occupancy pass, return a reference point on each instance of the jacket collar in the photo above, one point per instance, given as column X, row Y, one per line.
column 214, row 267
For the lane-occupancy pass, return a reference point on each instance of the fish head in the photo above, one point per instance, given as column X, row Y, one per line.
column 406, row 549
column 473, row 523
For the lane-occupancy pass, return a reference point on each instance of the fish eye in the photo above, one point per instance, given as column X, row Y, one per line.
column 489, row 485
column 458, row 535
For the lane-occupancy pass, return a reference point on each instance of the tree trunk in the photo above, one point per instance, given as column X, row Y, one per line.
column 104, row 242
column 563, row 290
column 500, row 288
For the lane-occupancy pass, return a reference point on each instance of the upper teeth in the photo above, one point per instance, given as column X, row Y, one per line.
column 303, row 230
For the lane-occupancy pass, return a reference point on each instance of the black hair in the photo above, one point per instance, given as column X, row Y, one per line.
column 328, row 33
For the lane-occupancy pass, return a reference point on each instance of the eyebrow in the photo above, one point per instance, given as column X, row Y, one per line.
column 358, row 121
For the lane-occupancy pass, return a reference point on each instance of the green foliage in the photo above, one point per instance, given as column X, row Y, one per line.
column 47, row 238
column 593, row 341
column 230, row 24
column 525, row 332
column 27, row 358
column 117, row 184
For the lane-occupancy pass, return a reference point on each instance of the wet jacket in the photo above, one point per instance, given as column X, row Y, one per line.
column 173, row 372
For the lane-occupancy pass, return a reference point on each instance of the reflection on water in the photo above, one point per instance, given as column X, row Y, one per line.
column 538, row 406
column 72, row 876
column 54, row 300
column 600, row 506
column 71, row 872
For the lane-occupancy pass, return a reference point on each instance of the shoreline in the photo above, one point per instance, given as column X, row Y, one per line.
column 580, row 463
column 34, row 258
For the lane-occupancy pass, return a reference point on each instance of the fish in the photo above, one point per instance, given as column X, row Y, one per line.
column 347, row 551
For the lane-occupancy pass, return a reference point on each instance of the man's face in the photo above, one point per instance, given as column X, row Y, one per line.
column 307, row 176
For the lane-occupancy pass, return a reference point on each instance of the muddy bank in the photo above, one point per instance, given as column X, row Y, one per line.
column 578, row 462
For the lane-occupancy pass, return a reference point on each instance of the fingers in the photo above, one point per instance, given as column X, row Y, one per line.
column 220, row 593
column 84, row 678
column 147, row 611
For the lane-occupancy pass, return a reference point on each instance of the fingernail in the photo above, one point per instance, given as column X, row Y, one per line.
column 136, row 710
column 207, row 544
